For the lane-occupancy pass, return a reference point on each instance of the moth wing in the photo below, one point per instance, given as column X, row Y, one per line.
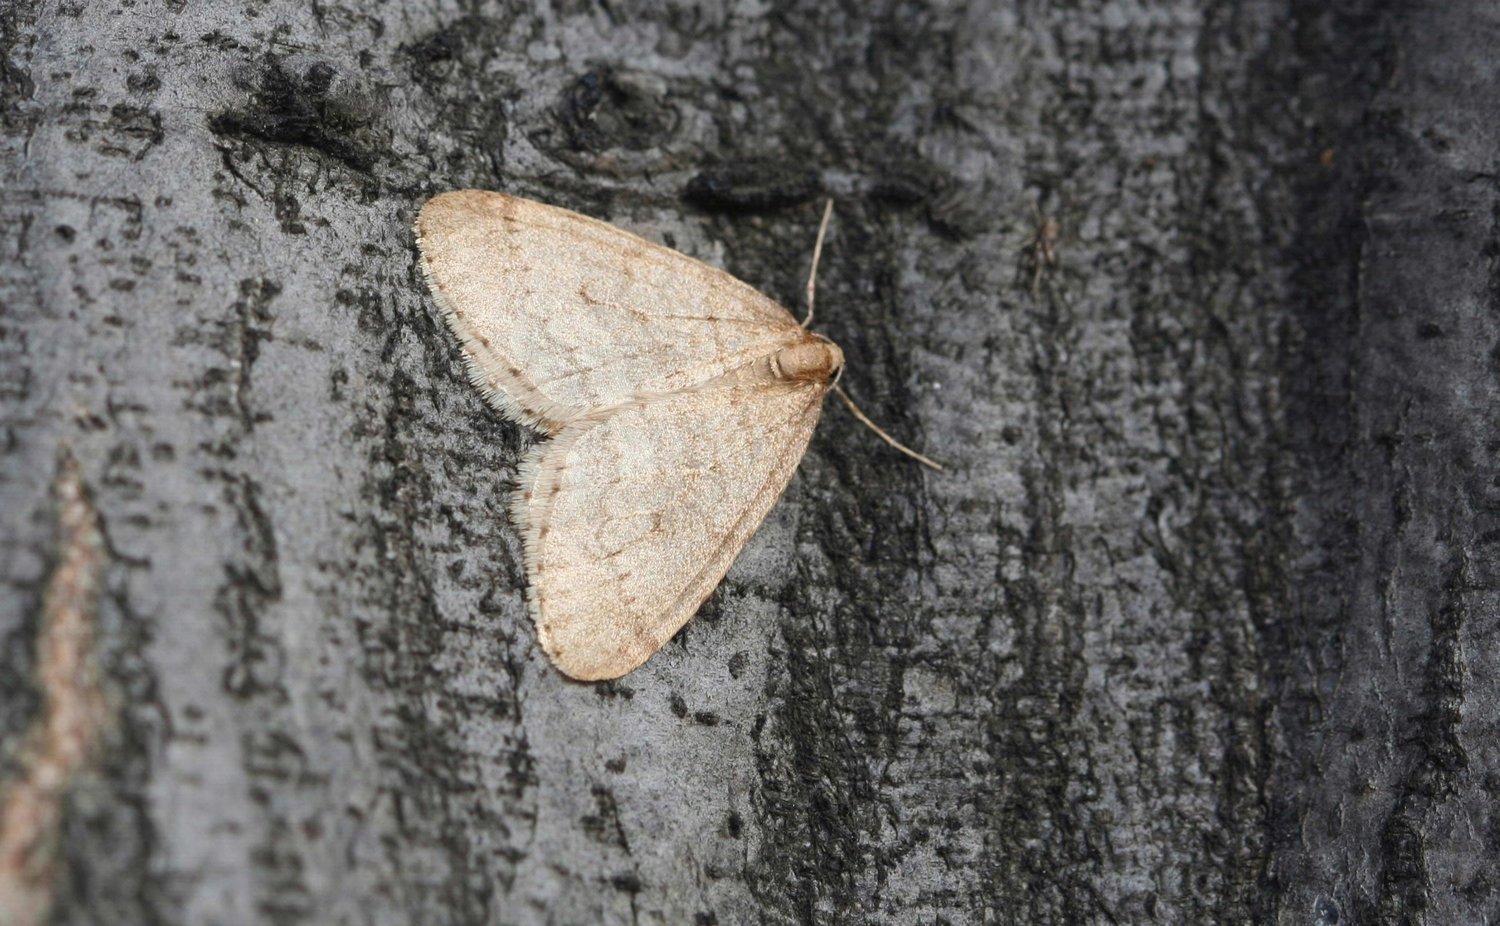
column 560, row 313
column 631, row 518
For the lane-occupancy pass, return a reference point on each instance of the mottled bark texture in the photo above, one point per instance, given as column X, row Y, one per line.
column 1199, row 301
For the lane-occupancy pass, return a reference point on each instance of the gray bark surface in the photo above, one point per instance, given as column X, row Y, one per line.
column 1198, row 626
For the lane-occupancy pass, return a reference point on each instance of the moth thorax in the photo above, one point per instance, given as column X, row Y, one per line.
column 815, row 360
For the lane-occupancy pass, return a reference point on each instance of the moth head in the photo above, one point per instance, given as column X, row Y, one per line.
column 813, row 360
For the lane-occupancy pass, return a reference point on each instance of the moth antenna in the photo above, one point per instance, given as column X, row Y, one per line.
column 865, row 420
column 812, row 275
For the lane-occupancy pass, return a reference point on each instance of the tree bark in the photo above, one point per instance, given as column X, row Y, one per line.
column 1197, row 301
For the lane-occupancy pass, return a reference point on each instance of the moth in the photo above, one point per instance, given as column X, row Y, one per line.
column 677, row 401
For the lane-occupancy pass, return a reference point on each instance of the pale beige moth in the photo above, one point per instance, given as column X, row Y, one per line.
column 677, row 399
